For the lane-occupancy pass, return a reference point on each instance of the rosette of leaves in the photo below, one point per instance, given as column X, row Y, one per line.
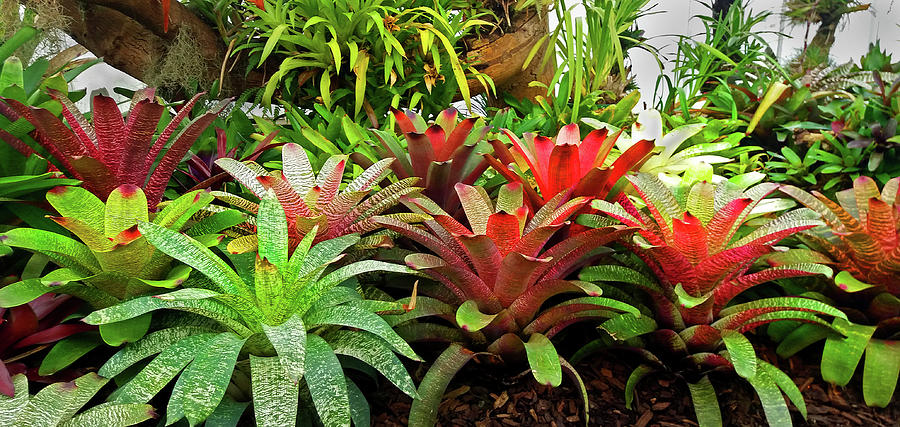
column 494, row 277
column 695, row 261
column 111, row 261
column 312, row 200
column 58, row 405
column 862, row 243
column 564, row 164
column 440, row 155
column 114, row 151
column 285, row 315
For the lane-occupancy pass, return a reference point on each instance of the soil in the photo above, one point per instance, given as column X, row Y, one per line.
column 478, row 398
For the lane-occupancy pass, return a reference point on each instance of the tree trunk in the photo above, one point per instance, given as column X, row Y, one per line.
column 129, row 36
column 501, row 57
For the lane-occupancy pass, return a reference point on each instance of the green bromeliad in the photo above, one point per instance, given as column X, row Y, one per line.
column 284, row 316
column 111, row 261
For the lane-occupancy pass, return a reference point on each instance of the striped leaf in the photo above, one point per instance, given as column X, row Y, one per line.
column 274, row 393
column 372, row 350
column 842, row 354
column 161, row 370
column 743, row 356
column 196, row 255
column 706, row 404
column 289, row 340
column 59, row 401
column 272, row 231
column 11, row 407
column 112, row 415
column 326, row 382
column 424, row 409
column 360, row 319
column 777, row 413
column 203, row 383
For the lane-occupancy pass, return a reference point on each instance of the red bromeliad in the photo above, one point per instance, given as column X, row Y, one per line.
column 315, row 201
column 441, row 155
column 113, row 151
column 691, row 248
column 701, row 262
column 864, row 244
column 566, row 163
column 496, row 276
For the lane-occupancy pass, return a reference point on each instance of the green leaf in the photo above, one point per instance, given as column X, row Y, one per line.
column 636, row 376
column 274, row 393
column 687, row 300
column 544, row 360
column 326, row 382
column 227, row 414
column 161, row 370
column 10, row 407
column 469, row 318
column 67, row 351
column 151, row 344
column 743, row 356
column 204, row 381
column 706, row 404
column 354, row 317
column 271, row 41
column 269, row 287
column 777, row 413
column 424, row 409
column 130, row 330
column 22, row 292
column 125, row 206
column 176, row 276
column 628, row 325
column 372, row 350
column 359, row 407
column 801, row 337
column 881, row 371
column 112, row 415
column 64, row 251
column 785, row 383
column 59, row 401
column 848, row 283
column 79, row 203
column 841, row 355
column 289, row 340
column 272, row 231
column 196, row 255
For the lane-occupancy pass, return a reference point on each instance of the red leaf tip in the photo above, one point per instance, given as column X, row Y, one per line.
column 62, row 189
column 128, row 190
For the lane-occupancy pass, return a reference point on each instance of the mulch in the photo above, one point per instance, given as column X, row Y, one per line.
column 478, row 397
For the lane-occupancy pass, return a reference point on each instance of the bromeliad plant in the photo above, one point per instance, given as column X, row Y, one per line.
column 113, row 261
column 286, row 312
column 112, row 151
column 566, row 163
column 440, row 155
column 58, row 403
column 700, row 262
column 495, row 277
column 316, row 201
column 863, row 244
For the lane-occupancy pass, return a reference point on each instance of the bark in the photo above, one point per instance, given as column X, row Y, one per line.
column 129, row 36
column 501, row 57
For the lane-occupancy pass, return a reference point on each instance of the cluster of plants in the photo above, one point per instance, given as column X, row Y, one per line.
column 194, row 262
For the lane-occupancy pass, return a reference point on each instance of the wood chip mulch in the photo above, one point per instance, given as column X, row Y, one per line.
column 478, row 398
